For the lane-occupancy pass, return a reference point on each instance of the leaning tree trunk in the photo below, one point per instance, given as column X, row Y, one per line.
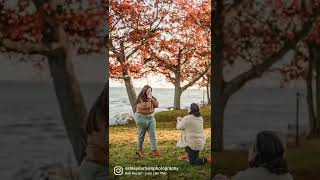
column 218, row 99
column 70, row 99
column 131, row 92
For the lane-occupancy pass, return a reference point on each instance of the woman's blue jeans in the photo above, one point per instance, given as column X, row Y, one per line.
column 146, row 123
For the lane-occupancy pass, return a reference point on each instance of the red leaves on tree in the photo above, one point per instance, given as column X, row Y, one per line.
column 255, row 31
column 181, row 52
column 132, row 24
column 83, row 22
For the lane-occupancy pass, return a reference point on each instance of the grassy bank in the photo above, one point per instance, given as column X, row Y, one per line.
column 122, row 144
column 304, row 161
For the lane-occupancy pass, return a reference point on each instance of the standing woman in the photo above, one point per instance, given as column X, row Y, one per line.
column 93, row 167
column 145, row 121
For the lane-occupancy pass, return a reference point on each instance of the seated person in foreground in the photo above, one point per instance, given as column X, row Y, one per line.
column 267, row 160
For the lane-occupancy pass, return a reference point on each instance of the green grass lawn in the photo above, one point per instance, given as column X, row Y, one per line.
column 304, row 161
column 122, row 145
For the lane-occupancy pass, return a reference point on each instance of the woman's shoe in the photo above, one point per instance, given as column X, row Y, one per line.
column 209, row 159
column 139, row 154
column 183, row 157
column 155, row 153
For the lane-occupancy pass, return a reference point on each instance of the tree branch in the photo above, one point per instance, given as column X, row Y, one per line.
column 196, row 79
column 256, row 71
column 154, row 55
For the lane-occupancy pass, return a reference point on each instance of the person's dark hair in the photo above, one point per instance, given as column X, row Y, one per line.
column 195, row 110
column 98, row 112
column 142, row 97
column 270, row 153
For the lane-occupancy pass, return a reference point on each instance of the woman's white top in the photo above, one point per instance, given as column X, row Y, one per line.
column 192, row 133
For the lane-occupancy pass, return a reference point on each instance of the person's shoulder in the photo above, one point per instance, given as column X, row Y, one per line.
column 198, row 118
column 189, row 116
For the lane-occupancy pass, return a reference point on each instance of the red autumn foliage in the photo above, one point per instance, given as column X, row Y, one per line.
column 256, row 31
column 136, row 27
column 131, row 25
column 182, row 51
column 30, row 21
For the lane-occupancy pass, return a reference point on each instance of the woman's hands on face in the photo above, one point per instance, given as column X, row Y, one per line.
column 149, row 93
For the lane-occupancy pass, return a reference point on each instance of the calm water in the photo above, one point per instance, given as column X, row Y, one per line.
column 31, row 128
column 119, row 102
column 255, row 109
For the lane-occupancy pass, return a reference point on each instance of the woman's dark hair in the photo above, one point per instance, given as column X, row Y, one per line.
column 142, row 97
column 270, row 153
column 195, row 110
column 98, row 112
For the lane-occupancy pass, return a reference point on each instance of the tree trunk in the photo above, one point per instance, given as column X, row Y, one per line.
column 309, row 87
column 177, row 96
column 70, row 99
column 317, row 62
column 208, row 91
column 311, row 112
column 177, row 87
column 218, row 98
column 131, row 92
